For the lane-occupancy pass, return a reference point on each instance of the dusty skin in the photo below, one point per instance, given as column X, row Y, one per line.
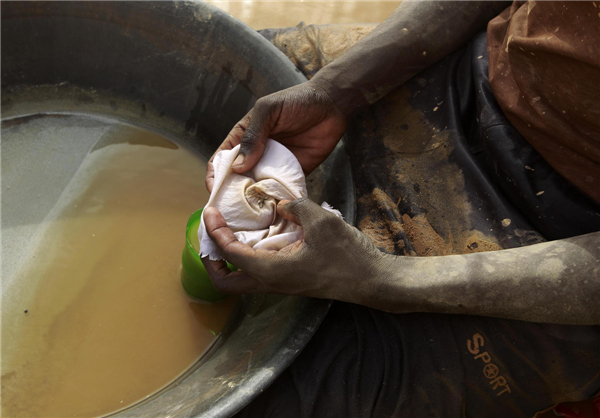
column 109, row 323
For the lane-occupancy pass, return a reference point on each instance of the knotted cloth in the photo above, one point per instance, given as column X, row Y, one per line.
column 248, row 201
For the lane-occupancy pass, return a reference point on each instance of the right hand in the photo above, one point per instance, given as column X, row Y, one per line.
column 333, row 261
column 303, row 118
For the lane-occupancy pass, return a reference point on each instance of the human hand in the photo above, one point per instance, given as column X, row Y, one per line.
column 334, row 260
column 303, row 118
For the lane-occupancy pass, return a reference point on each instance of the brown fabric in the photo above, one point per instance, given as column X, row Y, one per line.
column 545, row 73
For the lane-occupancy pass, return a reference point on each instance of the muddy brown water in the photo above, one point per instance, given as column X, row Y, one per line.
column 98, row 319
column 107, row 323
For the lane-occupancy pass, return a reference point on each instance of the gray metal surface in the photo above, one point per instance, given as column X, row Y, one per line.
column 187, row 71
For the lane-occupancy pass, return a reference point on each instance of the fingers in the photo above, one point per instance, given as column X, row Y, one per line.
column 229, row 282
column 257, row 127
column 231, row 249
column 319, row 225
column 234, row 136
column 252, row 133
column 301, row 211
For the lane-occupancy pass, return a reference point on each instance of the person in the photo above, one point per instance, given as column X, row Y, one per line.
column 544, row 72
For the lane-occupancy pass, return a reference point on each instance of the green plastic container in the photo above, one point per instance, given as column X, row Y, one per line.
column 194, row 277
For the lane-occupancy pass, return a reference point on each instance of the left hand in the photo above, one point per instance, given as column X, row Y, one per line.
column 334, row 260
column 304, row 118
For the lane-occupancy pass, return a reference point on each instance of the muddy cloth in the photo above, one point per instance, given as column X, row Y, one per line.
column 544, row 71
column 439, row 170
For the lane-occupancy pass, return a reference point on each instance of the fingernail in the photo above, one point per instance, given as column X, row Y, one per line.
column 283, row 202
column 239, row 160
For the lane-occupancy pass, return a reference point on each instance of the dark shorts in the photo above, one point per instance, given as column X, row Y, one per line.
column 368, row 363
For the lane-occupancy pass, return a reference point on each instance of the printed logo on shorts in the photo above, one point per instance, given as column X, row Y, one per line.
column 490, row 370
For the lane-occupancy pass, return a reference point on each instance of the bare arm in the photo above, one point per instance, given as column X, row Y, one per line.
column 556, row 282
column 415, row 36
column 311, row 118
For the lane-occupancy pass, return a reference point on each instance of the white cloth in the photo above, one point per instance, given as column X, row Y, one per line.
column 248, row 201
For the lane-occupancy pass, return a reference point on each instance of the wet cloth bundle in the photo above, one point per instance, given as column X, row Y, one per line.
column 248, row 201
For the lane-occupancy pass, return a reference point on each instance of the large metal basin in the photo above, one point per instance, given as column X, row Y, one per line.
column 189, row 71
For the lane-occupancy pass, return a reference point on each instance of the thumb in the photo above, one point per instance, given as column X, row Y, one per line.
column 259, row 123
column 302, row 211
